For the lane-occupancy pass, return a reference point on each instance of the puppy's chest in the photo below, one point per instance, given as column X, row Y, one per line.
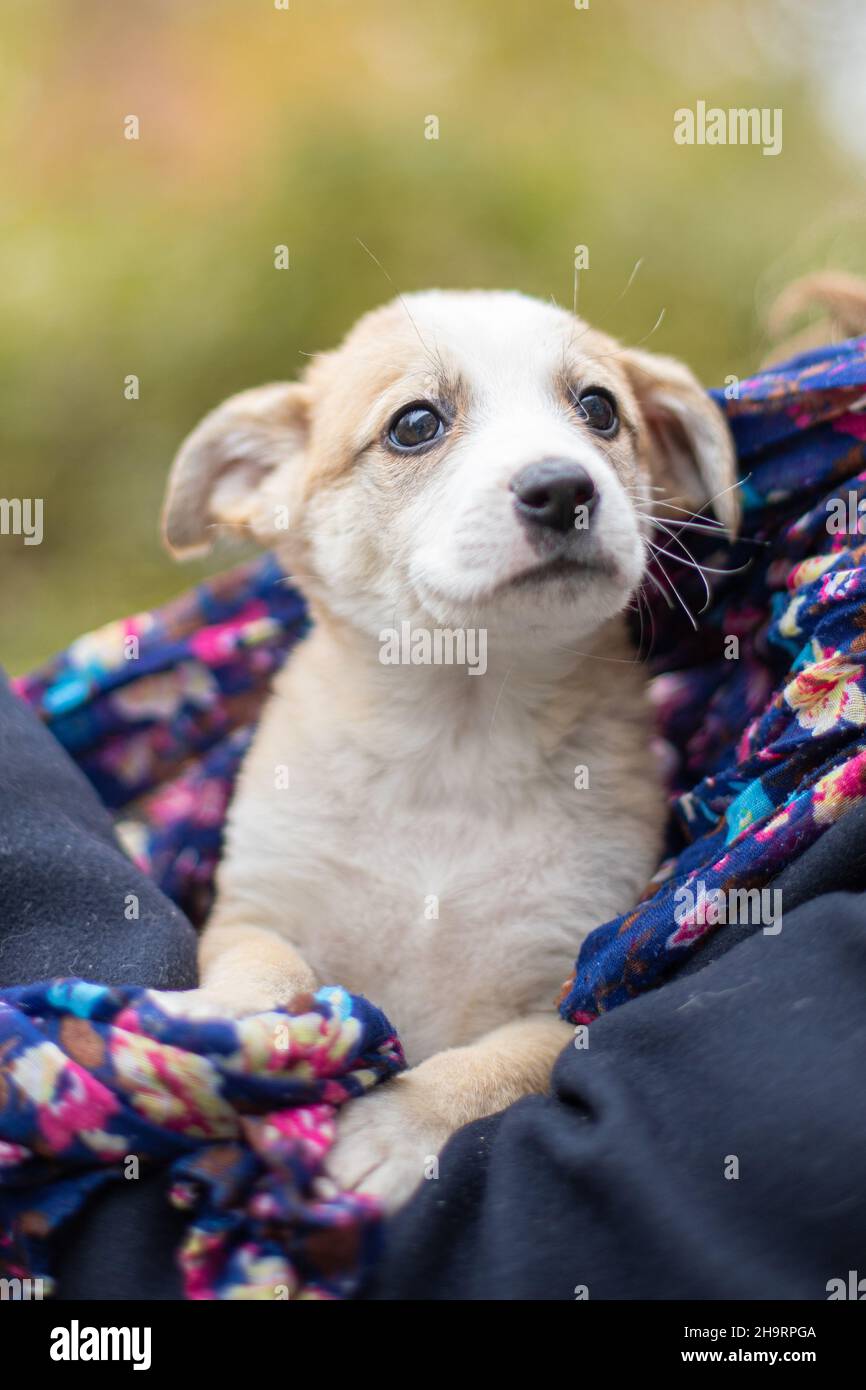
column 407, row 858
column 454, row 862
column 445, row 920
column 454, row 902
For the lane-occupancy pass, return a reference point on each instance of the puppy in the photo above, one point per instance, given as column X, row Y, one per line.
column 440, row 835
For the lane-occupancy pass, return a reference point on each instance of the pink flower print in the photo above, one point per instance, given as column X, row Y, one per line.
column 70, row 1103
column 825, row 694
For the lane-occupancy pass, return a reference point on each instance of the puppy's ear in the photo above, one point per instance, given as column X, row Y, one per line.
column 219, row 476
column 689, row 450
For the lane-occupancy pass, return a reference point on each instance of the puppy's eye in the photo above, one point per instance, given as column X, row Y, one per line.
column 598, row 408
column 418, row 425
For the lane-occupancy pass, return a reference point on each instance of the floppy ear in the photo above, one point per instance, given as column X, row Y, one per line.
column 218, row 474
column 689, row 450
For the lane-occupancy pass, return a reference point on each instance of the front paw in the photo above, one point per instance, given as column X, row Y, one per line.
column 201, row 1004
column 387, row 1143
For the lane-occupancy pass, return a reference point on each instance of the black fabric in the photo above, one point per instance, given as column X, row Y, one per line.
column 617, row 1181
column 64, row 897
column 65, row 882
column 122, row 1245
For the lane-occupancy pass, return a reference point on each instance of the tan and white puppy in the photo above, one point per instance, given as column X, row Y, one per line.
column 472, row 463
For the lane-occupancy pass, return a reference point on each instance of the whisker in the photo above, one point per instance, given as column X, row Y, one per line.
column 681, row 525
column 658, row 323
column 672, row 506
column 676, row 593
column 690, row 560
column 593, row 656
column 635, row 607
column 643, row 603
column 601, row 356
column 637, row 265
column 709, row 502
column 434, row 357
column 707, row 525
column 654, row 581
column 710, row 569
column 665, row 502
column 498, row 698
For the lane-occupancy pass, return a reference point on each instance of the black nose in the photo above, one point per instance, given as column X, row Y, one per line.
column 548, row 493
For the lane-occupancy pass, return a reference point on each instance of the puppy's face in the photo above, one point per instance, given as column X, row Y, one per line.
column 472, row 458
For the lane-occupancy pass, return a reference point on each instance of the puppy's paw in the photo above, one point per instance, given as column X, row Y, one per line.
column 200, row 1004
column 386, row 1144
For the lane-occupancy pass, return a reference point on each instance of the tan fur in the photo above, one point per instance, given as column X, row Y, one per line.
column 424, row 783
column 841, row 303
column 248, row 965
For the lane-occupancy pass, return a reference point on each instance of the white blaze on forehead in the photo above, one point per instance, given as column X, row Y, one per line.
column 498, row 343
column 509, row 353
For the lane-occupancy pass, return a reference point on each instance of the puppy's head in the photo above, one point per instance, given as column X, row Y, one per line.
column 475, row 457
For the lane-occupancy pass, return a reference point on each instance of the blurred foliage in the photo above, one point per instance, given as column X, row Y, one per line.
column 262, row 126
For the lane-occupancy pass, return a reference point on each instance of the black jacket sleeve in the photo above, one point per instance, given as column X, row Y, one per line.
column 64, row 880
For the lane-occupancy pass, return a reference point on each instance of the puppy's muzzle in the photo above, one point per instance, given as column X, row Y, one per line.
column 554, row 495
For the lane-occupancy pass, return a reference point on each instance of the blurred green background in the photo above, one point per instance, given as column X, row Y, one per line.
column 261, row 126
